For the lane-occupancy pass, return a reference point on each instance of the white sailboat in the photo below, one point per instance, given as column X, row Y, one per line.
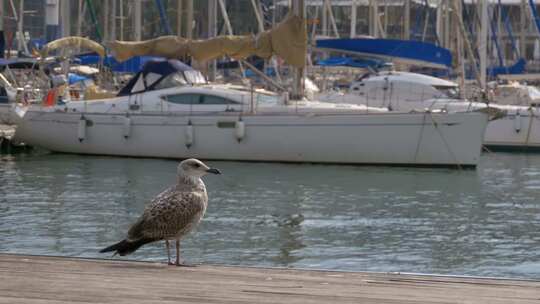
column 168, row 111
column 519, row 128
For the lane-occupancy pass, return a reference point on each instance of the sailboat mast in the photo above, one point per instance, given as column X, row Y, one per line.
column 2, row 40
column 137, row 19
column 482, row 43
column 189, row 19
column 353, row 18
column 298, row 9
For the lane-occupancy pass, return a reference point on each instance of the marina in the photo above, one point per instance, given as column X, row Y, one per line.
column 35, row 279
column 299, row 151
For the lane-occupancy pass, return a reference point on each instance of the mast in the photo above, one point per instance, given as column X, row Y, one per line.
column 523, row 30
column 482, row 43
column 79, row 17
column 324, row 27
column 257, row 9
column 106, row 19
column 112, row 35
column 20, row 23
column 374, row 24
column 66, row 17
column 353, row 18
column 121, row 19
column 2, row 39
column 298, row 9
column 212, row 32
column 179, row 18
column 407, row 21
column 328, row 7
column 228, row 26
column 189, row 19
column 457, row 10
column 460, row 53
column 137, row 19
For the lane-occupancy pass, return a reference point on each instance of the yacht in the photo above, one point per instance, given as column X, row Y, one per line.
column 518, row 128
column 168, row 110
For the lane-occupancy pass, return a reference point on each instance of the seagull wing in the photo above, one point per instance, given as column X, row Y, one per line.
column 170, row 214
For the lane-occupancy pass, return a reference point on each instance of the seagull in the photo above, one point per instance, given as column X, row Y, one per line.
column 171, row 214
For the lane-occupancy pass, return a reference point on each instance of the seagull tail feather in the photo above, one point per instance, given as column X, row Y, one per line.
column 126, row 247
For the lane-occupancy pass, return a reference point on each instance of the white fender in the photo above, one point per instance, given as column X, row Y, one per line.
column 517, row 122
column 240, row 130
column 189, row 134
column 127, row 127
column 81, row 131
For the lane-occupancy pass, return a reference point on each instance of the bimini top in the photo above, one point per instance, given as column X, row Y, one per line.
column 162, row 74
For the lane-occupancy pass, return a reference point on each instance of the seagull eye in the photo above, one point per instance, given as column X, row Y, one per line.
column 197, row 165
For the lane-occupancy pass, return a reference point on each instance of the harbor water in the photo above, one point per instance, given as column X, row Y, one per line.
column 483, row 222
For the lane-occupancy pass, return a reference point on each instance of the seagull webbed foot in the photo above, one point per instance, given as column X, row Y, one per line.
column 183, row 264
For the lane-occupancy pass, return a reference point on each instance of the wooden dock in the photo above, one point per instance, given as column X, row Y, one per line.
column 38, row 279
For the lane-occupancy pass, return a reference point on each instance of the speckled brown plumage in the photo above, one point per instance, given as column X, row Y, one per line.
column 171, row 214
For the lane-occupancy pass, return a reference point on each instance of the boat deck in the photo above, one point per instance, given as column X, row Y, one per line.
column 38, row 279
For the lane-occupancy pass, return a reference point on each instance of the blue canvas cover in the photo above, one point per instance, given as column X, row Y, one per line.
column 161, row 67
column 407, row 51
column 516, row 68
column 352, row 62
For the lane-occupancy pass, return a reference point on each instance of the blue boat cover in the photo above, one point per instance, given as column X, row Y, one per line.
column 352, row 62
column 161, row 67
column 516, row 68
column 74, row 78
column 407, row 51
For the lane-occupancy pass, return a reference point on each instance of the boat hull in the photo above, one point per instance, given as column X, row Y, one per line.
column 382, row 138
column 517, row 132
column 518, row 129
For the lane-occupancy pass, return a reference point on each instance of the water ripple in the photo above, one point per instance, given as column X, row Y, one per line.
column 482, row 222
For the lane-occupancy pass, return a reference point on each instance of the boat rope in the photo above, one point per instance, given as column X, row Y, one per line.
column 420, row 138
column 436, row 126
column 529, row 128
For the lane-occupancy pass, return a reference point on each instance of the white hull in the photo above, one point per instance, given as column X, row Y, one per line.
column 374, row 138
column 520, row 131
column 520, row 127
column 404, row 91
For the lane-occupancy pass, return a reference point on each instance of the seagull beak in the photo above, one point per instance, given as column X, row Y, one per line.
column 213, row 171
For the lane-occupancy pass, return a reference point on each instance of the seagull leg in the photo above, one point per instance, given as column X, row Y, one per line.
column 178, row 256
column 168, row 252
column 177, row 252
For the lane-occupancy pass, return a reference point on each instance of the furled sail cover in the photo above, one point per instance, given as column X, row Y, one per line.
column 72, row 43
column 404, row 51
column 287, row 40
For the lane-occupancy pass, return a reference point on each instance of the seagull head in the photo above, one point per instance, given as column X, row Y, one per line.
column 195, row 168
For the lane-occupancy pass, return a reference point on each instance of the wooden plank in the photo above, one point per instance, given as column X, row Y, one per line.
column 38, row 279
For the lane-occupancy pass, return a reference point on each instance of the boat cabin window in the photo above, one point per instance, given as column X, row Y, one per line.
column 199, row 99
column 171, row 81
column 180, row 79
column 194, row 77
